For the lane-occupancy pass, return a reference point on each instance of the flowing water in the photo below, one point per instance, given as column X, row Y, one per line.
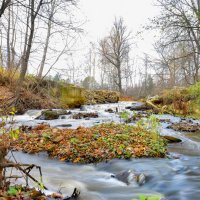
column 178, row 178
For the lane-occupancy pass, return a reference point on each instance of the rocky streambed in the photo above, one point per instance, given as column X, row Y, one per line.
column 177, row 176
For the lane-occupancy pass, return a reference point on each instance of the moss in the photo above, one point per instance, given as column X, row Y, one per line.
column 71, row 96
column 52, row 114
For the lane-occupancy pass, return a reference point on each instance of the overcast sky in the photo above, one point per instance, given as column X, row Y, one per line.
column 100, row 15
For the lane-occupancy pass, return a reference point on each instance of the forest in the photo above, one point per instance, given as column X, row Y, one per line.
column 99, row 100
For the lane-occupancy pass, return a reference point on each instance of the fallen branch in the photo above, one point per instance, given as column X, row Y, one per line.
column 156, row 108
column 25, row 171
column 74, row 195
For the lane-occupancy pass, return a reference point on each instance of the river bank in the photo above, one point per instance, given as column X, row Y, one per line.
column 180, row 101
column 34, row 92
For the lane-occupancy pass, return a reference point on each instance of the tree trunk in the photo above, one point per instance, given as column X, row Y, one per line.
column 120, row 80
column 47, row 39
column 8, row 41
column 45, row 51
column 26, row 55
column 3, row 152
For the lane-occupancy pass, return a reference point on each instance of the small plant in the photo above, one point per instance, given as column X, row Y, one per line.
column 124, row 115
column 150, row 124
column 144, row 197
column 10, row 133
column 74, row 140
column 154, row 124
column 40, row 185
column 46, row 136
column 13, row 132
column 14, row 190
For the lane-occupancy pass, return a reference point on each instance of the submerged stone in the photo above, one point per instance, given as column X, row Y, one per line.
column 171, row 139
column 64, row 125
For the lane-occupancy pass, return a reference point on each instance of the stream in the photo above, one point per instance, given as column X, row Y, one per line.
column 177, row 178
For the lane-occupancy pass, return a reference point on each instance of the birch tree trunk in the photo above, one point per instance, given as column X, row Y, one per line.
column 26, row 55
column 8, row 41
column 47, row 38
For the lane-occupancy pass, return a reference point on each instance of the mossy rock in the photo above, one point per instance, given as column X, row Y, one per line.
column 171, row 139
column 142, row 107
column 52, row 114
column 71, row 96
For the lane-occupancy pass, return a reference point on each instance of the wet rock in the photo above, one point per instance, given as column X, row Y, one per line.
column 62, row 117
column 52, row 114
column 187, row 120
column 173, row 156
column 25, row 128
column 187, row 127
column 137, row 117
column 129, row 176
column 109, row 110
column 85, row 115
column 164, row 120
column 83, row 108
column 64, row 125
column 171, row 139
column 141, row 107
column 141, row 179
column 128, row 107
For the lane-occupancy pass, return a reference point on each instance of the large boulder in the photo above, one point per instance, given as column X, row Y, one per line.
column 52, row 114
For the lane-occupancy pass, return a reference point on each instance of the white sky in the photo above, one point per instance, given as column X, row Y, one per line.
column 101, row 13
column 99, row 16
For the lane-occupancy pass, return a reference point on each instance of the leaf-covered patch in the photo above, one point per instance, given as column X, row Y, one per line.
column 20, row 192
column 16, row 192
column 95, row 144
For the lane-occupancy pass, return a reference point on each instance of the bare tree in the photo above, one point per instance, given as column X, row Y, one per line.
column 49, row 27
column 115, row 49
column 25, row 57
column 180, row 25
column 55, row 25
